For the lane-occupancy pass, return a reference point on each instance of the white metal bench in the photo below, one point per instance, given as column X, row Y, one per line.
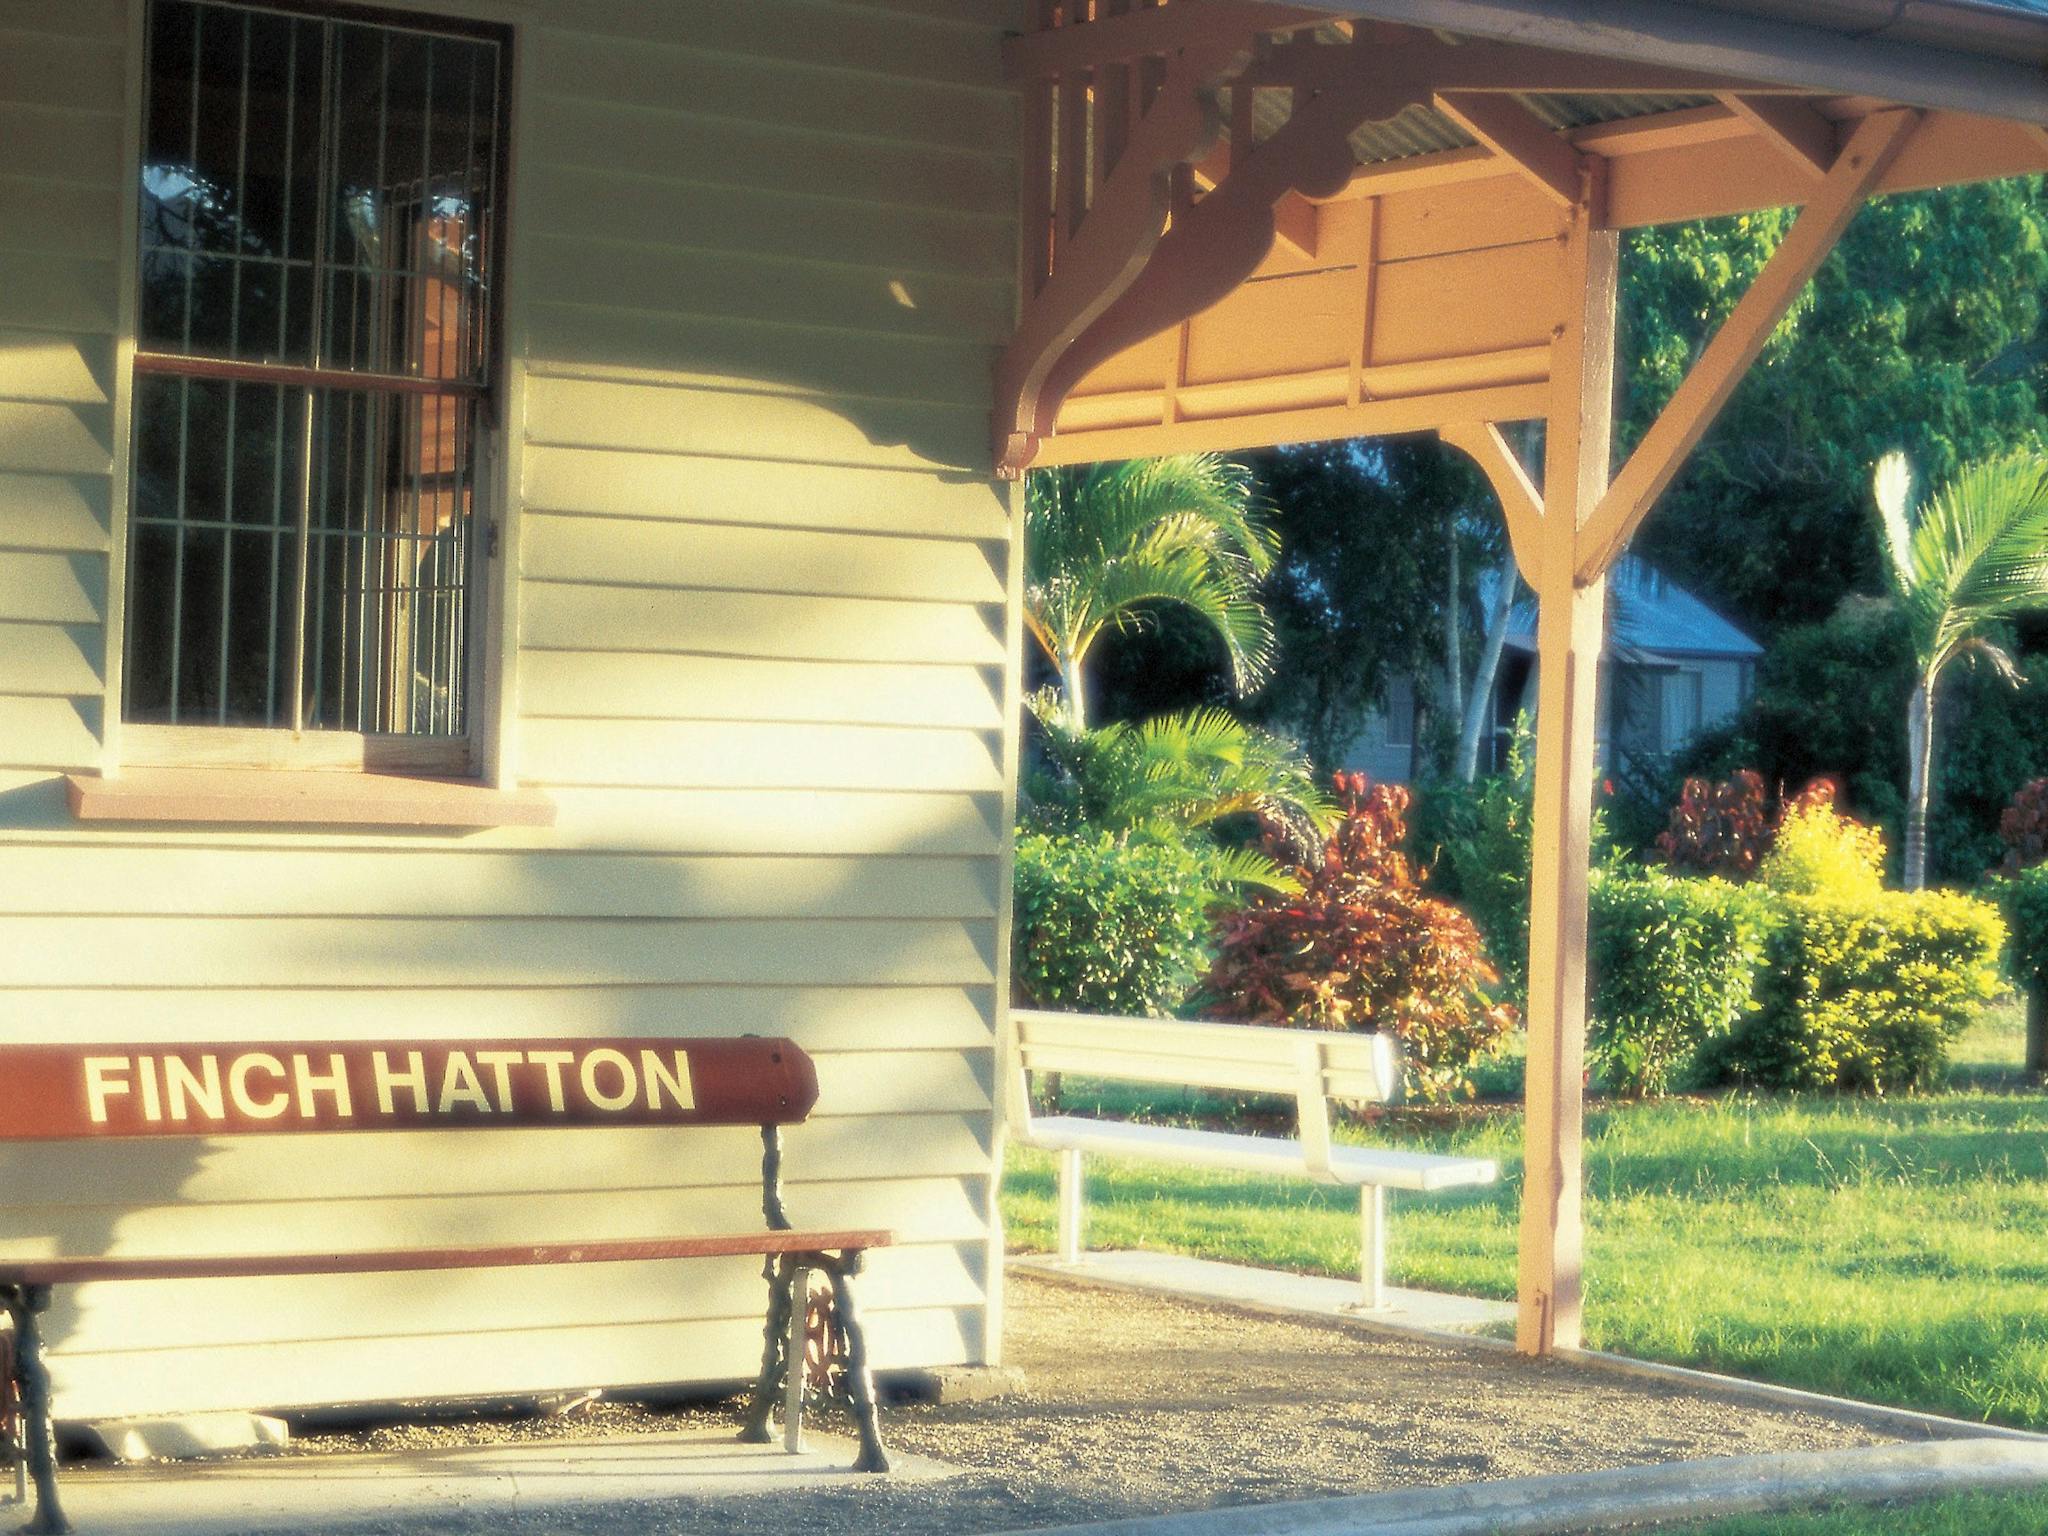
column 1311, row 1066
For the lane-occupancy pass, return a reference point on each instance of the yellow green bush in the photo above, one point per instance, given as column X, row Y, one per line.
column 1820, row 852
column 1866, row 990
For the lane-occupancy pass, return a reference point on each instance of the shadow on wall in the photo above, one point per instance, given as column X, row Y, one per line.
column 880, row 965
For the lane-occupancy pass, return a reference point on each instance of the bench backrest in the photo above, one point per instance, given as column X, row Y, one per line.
column 1311, row 1066
column 62, row 1092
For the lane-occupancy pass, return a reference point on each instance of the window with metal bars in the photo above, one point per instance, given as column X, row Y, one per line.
column 314, row 364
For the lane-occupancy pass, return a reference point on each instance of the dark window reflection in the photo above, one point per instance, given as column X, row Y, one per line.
column 317, row 229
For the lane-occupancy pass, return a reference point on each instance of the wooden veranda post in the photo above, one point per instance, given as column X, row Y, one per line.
column 1569, row 629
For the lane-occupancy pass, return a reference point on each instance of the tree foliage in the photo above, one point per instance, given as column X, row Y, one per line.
column 1361, row 945
column 1920, row 331
column 1109, row 544
column 1359, row 592
column 1176, row 775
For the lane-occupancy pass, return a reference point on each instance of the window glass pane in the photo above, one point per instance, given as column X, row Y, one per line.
column 214, row 552
column 230, row 173
column 414, row 162
column 388, row 622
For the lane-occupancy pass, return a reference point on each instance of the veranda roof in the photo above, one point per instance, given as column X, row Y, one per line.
column 1247, row 222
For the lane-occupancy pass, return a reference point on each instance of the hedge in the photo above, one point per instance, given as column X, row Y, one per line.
column 1673, row 964
column 2024, row 897
column 1865, row 992
column 1108, row 925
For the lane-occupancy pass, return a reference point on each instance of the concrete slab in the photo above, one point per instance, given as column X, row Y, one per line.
column 319, row 1493
column 1628, row 1498
column 1273, row 1290
column 187, row 1437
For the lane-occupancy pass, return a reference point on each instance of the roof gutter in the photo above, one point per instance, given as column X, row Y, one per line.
column 1769, row 51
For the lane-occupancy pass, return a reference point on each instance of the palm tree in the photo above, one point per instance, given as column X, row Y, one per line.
column 1184, row 772
column 1106, row 543
column 1968, row 556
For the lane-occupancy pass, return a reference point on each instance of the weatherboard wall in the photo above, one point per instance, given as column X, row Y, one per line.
column 757, row 642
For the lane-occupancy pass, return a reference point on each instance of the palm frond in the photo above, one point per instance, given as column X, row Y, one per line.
column 1893, row 486
column 1106, row 543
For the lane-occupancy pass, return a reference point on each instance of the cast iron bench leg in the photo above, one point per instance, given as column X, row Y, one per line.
column 859, row 1377
column 780, row 1274
column 32, row 1377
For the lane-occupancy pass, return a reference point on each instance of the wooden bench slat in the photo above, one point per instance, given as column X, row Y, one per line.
column 72, row 1271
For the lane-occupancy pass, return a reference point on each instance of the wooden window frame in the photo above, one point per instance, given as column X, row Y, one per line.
column 477, row 754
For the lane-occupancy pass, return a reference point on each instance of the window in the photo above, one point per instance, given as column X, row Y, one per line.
column 313, row 375
column 1400, row 712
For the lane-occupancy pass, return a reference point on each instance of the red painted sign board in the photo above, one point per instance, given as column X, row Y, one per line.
column 61, row 1092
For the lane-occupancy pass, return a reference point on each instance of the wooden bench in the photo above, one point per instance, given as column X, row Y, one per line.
column 85, row 1092
column 1310, row 1066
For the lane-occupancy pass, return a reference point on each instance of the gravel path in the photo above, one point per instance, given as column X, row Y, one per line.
column 1138, row 1404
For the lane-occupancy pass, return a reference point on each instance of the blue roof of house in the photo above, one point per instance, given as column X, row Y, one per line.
column 1648, row 611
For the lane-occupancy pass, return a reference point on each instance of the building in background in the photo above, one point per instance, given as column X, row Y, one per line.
column 1672, row 667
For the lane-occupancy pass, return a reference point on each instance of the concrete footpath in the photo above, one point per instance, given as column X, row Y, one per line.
column 1628, row 1498
column 692, row 1483
column 517, row 1486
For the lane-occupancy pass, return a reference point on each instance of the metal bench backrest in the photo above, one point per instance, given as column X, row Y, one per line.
column 1311, row 1066
column 167, row 1088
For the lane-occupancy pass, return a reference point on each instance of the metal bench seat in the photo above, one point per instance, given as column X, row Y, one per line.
column 1309, row 1066
column 1386, row 1167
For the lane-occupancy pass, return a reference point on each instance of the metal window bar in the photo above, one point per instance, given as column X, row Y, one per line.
column 387, row 419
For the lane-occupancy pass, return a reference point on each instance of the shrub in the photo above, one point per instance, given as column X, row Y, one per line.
column 1480, row 835
column 1866, row 991
column 1718, row 829
column 1363, row 947
column 2023, row 828
column 1817, row 851
column 2024, row 897
column 1105, row 925
column 1673, row 965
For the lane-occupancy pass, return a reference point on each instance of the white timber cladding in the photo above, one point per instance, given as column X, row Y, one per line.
column 756, row 641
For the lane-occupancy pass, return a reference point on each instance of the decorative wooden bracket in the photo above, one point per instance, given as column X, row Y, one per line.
column 1721, row 366
column 1089, row 228
column 1140, row 259
column 1520, row 502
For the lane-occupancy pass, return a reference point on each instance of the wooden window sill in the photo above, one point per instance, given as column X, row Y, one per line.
column 270, row 796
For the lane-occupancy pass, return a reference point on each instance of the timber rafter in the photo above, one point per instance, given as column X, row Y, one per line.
column 1145, row 200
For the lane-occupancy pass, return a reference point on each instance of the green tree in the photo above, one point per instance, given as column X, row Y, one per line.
column 1972, row 554
column 1107, row 544
column 1378, row 575
column 1929, row 313
column 1174, row 775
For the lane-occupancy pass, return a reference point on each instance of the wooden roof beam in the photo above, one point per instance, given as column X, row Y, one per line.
column 1519, row 137
column 1791, row 127
column 1145, row 33
column 1856, row 173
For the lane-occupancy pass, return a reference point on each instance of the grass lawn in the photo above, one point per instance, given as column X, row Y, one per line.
column 1888, row 1249
column 1967, row 1515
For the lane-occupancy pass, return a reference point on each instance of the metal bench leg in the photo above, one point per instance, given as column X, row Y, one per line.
column 759, row 1426
column 860, row 1378
column 1372, row 1247
column 1069, row 1202
column 32, row 1377
column 793, row 1360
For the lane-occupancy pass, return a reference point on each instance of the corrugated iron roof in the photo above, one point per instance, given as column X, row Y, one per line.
column 1648, row 613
